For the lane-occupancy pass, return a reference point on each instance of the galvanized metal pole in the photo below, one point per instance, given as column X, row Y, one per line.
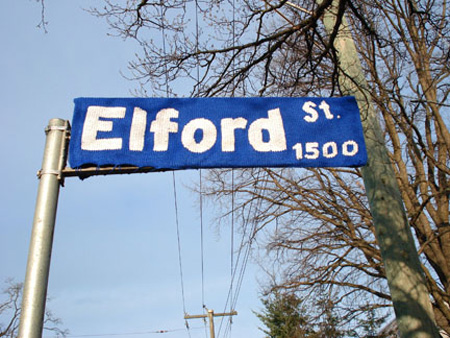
column 36, row 280
column 410, row 296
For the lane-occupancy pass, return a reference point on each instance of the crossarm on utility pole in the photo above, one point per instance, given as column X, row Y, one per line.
column 210, row 315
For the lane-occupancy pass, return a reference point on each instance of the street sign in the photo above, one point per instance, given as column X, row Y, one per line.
column 181, row 133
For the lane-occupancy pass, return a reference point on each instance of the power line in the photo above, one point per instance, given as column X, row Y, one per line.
column 180, row 262
column 202, row 249
column 197, row 42
column 127, row 333
column 202, row 238
column 197, row 36
column 163, row 33
column 244, row 251
column 232, row 231
column 248, row 244
column 232, row 267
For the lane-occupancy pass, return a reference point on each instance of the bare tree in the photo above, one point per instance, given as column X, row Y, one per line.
column 225, row 47
column 316, row 222
column 10, row 302
column 43, row 24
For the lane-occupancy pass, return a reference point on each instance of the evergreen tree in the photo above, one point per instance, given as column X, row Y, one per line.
column 284, row 316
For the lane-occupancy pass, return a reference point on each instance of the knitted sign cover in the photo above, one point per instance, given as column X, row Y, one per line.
column 182, row 133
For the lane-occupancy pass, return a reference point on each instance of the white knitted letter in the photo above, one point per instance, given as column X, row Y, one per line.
column 208, row 138
column 93, row 124
column 308, row 108
column 228, row 126
column 137, row 131
column 274, row 126
column 162, row 126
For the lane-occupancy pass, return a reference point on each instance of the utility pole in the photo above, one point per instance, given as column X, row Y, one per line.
column 210, row 315
column 404, row 274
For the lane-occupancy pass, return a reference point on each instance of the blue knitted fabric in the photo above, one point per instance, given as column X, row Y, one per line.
column 181, row 133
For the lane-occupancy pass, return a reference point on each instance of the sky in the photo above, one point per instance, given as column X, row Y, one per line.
column 115, row 268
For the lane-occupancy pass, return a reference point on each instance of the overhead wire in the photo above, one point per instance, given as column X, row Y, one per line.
column 180, row 264
column 230, row 293
column 202, row 244
column 232, row 267
column 244, row 251
column 232, row 242
column 233, row 27
column 202, row 247
column 197, row 43
column 238, row 265
column 163, row 33
column 134, row 333
column 231, row 309
column 246, row 243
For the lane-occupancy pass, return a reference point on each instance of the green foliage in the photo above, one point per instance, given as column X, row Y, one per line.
column 330, row 322
column 284, row 316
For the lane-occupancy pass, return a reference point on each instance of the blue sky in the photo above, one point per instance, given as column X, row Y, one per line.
column 115, row 260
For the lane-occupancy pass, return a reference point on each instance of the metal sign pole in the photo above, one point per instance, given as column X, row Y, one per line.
column 36, row 280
